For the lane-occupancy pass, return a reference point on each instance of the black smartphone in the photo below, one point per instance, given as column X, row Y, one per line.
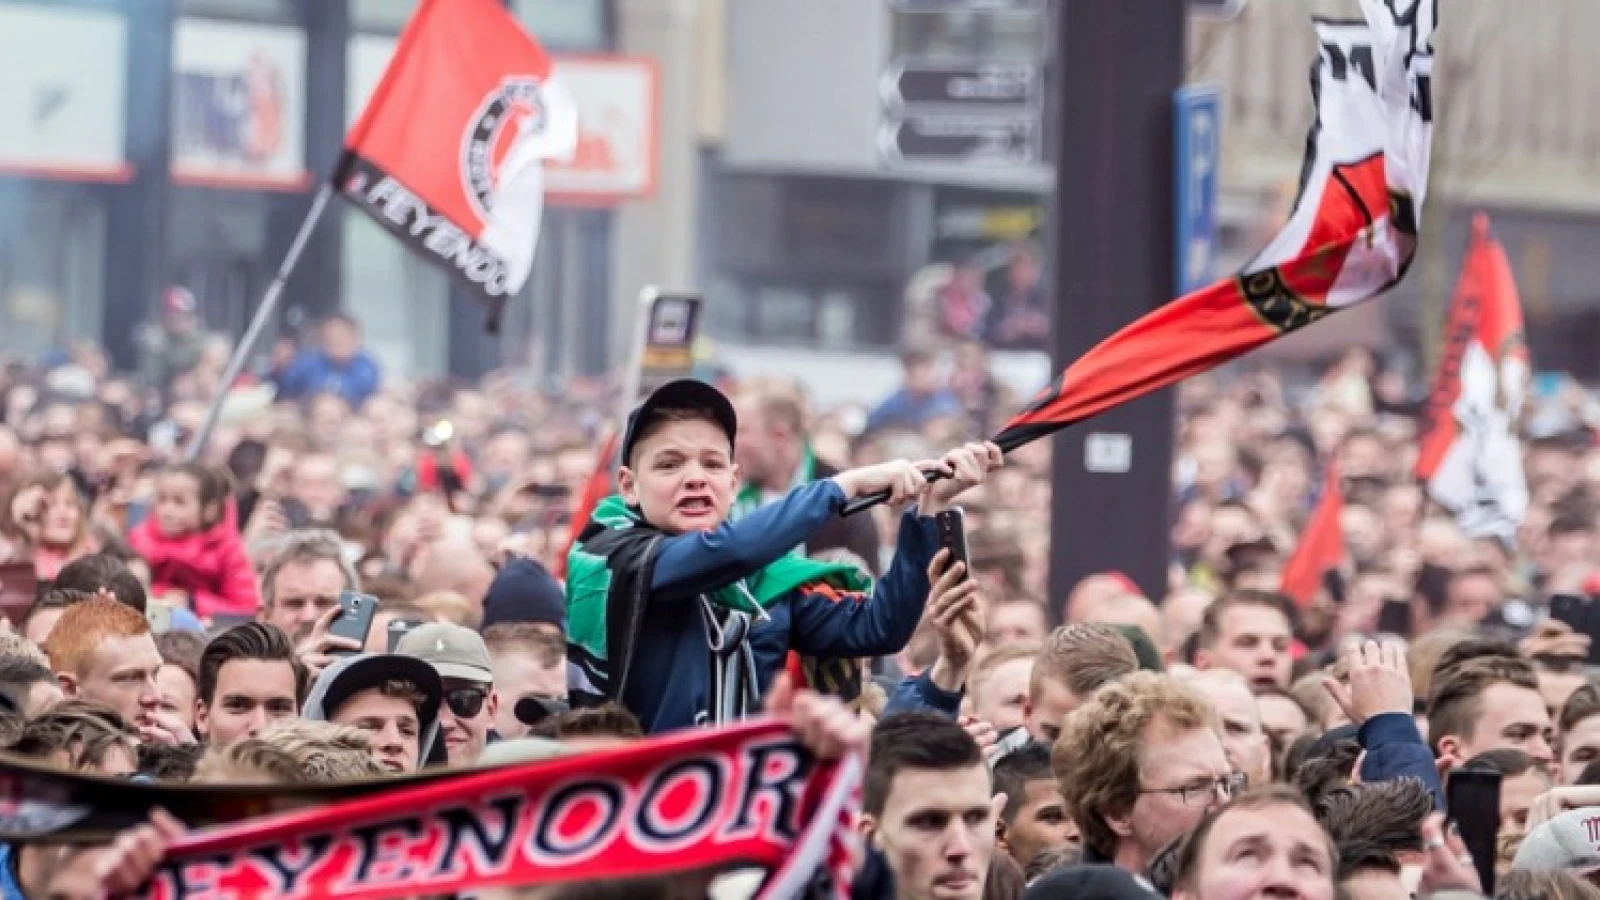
column 1474, row 800
column 355, row 618
column 398, row 629
column 1395, row 618
column 1580, row 613
column 952, row 527
column 295, row 512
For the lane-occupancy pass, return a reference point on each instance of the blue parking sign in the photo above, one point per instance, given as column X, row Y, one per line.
column 1197, row 113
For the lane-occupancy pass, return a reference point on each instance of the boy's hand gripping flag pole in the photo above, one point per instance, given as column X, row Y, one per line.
column 1351, row 237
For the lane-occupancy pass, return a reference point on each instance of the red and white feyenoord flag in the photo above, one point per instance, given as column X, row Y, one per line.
column 1351, row 237
column 449, row 153
column 1470, row 460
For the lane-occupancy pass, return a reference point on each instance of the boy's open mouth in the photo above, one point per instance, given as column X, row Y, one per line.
column 695, row 505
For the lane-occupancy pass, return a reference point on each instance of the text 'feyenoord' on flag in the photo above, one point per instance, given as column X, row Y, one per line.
column 449, row 153
column 1470, row 458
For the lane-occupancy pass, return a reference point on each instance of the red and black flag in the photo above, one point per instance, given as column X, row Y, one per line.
column 449, row 153
column 1470, row 460
column 1321, row 545
column 1351, row 237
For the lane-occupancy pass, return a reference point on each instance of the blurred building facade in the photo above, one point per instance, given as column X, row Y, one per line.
column 153, row 142
column 834, row 174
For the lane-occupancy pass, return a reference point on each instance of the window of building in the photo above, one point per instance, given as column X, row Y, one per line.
column 399, row 298
column 381, row 15
column 264, row 10
column 1019, row 36
column 565, row 24
column 48, row 297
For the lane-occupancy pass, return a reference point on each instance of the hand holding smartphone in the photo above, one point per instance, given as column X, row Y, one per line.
column 354, row 619
column 952, row 527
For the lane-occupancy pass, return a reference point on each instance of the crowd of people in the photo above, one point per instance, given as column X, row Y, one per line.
column 192, row 619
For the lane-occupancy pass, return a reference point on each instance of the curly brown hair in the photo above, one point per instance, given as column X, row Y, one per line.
column 1098, row 755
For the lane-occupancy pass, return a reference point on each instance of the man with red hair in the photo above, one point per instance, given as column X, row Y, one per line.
column 102, row 650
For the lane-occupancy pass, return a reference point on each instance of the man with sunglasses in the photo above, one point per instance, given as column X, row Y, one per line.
column 470, row 702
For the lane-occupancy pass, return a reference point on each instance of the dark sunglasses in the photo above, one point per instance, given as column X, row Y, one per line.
column 465, row 703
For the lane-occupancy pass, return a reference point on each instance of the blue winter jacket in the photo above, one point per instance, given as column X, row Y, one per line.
column 671, row 669
column 313, row 372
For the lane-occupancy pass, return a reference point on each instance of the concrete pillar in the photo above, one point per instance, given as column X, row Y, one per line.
column 654, row 240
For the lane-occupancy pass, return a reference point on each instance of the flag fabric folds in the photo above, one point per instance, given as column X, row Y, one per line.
column 1321, row 545
column 1470, row 459
column 1352, row 234
column 449, row 153
column 695, row 800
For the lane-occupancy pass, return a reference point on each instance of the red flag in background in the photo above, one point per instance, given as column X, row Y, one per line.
column 595, row 488
column 1351, row 237
column 1321, row 545
column 449, row 152
column 1470, row 459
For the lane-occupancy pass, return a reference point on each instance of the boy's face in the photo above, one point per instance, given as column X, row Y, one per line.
column 682, row 477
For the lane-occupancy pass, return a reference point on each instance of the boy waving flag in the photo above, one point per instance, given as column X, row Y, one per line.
column 685, row 617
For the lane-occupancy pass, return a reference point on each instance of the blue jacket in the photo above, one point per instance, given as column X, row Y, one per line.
column 671, row 668
column 920, row 694
column 903, row 409
column 1395, row 749
column 313, row 372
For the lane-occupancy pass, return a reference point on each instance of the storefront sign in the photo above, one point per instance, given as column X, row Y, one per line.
column 63, row 108
column 238, row 105
column 616, row 156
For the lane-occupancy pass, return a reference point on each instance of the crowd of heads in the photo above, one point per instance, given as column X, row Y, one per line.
column 1212, row 739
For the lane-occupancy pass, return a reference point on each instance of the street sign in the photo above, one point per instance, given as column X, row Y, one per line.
column 917, row 6
column 984, row 140
column 1197, row 155
column 990, row 87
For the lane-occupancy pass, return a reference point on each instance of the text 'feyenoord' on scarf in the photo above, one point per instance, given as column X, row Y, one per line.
column 748, row 795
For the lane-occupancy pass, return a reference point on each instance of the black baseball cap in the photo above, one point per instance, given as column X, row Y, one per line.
column 685, row 393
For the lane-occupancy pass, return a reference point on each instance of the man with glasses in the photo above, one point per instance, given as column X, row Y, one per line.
column 462, row 660
column 1139, row 764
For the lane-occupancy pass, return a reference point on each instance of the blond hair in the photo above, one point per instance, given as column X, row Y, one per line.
column 1083, row 658
column 547, row 649
column 84, row 626
column 1098, row 756
column 250, row 761
column 451, row 607
column 994, row 659
column 325, row 752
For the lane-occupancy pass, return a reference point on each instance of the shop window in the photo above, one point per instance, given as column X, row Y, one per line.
column 565, row 24
column 263, row 10
column 381, row 15
column 399, row 298
column 1020, row 36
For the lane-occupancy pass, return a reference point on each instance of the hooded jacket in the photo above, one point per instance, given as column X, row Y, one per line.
column 671, row 684
column 211, row 566
column 430, row 750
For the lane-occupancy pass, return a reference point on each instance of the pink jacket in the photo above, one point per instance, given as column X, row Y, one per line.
column 211, row 566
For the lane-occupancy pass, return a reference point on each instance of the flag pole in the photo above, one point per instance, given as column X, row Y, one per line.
column 258, row 324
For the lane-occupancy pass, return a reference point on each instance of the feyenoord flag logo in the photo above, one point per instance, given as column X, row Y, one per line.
column 449, row 153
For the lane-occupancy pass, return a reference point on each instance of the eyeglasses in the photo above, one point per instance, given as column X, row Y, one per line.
column 1202, row 792
column 465, row 703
